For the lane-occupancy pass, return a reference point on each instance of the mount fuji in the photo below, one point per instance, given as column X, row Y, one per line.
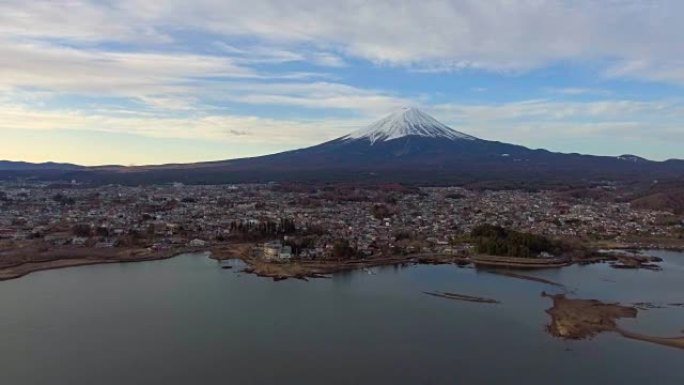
column 408, row 146
column 406, row 122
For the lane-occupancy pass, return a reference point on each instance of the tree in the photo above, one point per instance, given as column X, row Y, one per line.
column 342, row 249
column 380, row 212
column 391, row 200
column 151, row 230
column 287, row 226
column 63, row 199
column 81, row 230
column 102, row 231
column 496, row 240
column 401, row 235
column 224, row 202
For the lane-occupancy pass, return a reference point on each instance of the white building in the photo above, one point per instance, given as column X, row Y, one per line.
column 276, row 251
column 197, row 243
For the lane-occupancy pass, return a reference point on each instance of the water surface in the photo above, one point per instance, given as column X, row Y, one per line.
column 185, row 320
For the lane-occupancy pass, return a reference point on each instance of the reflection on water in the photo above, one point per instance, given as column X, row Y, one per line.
column 186, row 320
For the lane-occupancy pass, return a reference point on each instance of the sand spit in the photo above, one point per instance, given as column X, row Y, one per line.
column 461, row 297
column 525, row 277
column 585, row 318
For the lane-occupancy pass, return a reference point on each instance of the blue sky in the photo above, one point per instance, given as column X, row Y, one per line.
column 140, row 82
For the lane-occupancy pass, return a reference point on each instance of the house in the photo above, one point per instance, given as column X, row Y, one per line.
column 20, row 235
column 285, row 252
column 79, row 241
column 271, row 250
column 6, row 233
column 57, row 239
column 197, row 243
column 276, row 251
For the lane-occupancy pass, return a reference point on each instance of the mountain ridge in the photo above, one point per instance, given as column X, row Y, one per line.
column 11, row 165
column 407, row 146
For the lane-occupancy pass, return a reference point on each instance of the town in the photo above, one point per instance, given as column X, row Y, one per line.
column 287, row 222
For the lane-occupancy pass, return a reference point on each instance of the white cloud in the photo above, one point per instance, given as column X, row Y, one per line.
column 642, row 38
column 649, row 69
column 175, row 81
column 495, row 35
column 327, row 59
column 79, row 20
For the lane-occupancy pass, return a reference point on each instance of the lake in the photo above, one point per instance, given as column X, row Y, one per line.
column 187, row 321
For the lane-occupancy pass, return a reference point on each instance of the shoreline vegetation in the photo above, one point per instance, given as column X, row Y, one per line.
column 18, row 262
column 489, row 247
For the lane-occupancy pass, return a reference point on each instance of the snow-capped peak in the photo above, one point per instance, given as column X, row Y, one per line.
column 407, row 122
column 632, row 158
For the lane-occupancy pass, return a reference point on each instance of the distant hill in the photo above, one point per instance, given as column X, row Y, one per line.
column 408, row 146
column 6, row 165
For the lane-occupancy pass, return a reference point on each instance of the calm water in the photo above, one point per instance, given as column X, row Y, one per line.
column 186, row 321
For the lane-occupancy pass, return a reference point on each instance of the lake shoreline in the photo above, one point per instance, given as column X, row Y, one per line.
column 58, row 258
column 93, row 257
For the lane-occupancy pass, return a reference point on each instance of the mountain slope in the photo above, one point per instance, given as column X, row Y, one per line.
column 668, row 196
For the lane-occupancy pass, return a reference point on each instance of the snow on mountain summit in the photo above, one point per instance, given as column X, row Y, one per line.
column 407, row 122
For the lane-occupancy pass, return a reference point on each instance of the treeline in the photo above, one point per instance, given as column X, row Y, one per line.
column 300, row 244
column 263, row 229
column 496, row 240
column 343, row 250
column 63, row 199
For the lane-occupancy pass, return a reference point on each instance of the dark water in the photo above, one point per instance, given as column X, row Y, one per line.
column 186, row 321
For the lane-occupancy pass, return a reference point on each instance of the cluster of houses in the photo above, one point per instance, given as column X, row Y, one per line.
column 429, row 220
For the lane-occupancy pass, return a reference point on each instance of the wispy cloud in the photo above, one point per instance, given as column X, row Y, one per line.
column 554, row 121
column 101, row 72
column 324, row 95
column 226, row 128
column 577, row 91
